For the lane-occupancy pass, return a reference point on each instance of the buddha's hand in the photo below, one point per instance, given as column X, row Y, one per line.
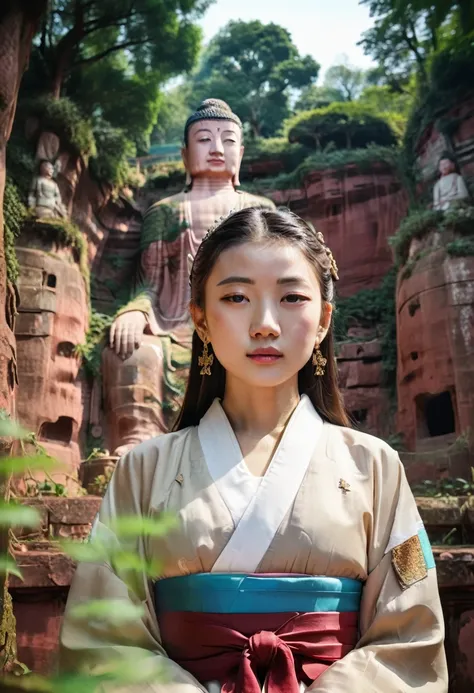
column 126, row 333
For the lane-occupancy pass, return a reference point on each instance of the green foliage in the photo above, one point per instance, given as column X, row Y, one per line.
column 166, row 174
column 448, row 85
column 313, row 96
column 110, row 164
column 275, row 148
column 368, row 159
column 342, row 125
column 21, row 165
column 14, row 212
column 461, row 247
column 91, row 351
column 441, row 10
column 419, row 223
column 373, row 308
column 347, row 80
column 173, row 110
column 69, row 235
column 400, row 39
column 153, row 36
column 63, row 117
column 254, row 66
column 444, row 487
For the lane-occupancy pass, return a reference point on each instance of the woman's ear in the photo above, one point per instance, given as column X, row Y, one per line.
column 326, row 316
column 199, row 320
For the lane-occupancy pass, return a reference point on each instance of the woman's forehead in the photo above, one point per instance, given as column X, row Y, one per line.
column 263, row 258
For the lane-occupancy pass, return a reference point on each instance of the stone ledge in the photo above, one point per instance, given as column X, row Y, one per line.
column 455, row 566
column 44, row 566
column 61, row 517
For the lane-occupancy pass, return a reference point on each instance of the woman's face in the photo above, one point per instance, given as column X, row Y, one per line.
column 263, row 312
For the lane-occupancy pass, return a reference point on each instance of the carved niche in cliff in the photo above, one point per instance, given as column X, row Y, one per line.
column 435, row 327
column 51, row 323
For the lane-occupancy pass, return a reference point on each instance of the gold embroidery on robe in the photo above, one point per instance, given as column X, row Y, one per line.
column 408, row 562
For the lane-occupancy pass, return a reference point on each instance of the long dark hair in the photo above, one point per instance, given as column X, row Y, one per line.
column 257, row 224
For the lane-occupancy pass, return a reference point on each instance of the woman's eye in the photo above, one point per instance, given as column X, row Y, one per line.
column 230, row 141
column 204, row 139
column 235, row 298
column 295, row 298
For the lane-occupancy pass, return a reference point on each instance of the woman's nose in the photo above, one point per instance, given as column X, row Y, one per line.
column 265, row 324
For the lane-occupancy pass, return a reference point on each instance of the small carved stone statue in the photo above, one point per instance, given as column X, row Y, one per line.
column 44, row 197
column 450, row 188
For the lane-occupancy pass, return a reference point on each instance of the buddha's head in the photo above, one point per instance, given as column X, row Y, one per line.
column 213, row 143
column 446, row 164
column 46, row 169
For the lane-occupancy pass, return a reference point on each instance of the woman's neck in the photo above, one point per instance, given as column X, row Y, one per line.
column 258, row 412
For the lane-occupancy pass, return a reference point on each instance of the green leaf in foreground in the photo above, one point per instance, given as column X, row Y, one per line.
column 116, row 612
column 137, row 525
column 12, row 515
column 19, row 465
column 8, row 565
column 12, row 429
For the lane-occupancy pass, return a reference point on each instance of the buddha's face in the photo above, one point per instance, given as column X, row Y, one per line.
column 446, row 166
column 214, row 150
column 46, row 169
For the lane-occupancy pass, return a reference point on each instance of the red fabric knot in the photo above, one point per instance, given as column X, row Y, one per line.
column 265, row 653
column 262, row 648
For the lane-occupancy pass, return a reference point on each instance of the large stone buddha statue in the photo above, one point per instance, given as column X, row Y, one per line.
column 145, row 368
column 450, row 188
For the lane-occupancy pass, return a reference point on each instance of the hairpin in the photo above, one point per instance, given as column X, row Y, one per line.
column 332, row 262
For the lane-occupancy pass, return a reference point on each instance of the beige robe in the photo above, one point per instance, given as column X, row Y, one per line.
column 314, row 527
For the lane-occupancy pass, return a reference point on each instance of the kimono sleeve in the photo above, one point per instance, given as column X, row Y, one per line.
column 401, row 623
column 89, row 646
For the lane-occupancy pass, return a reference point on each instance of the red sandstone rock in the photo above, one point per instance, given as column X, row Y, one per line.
column 52, row 322
column 435, row 311
column 361, row 381
column 357, row 212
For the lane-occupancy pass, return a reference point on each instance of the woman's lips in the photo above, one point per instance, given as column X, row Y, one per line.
column 264, row 358
column 265, row 355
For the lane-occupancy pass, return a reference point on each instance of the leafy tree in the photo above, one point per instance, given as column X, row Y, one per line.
column 441, row 10
column 400, row 40
column 345, row 79
column 254, row 66
column 157, row 35
column 173, row 111
column 341, row 126
column 314, row 96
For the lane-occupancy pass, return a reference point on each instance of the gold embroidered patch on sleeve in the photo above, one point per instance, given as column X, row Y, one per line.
column 408, row 562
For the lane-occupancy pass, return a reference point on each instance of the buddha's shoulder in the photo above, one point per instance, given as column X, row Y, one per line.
column 166, row 205
column 251, row 200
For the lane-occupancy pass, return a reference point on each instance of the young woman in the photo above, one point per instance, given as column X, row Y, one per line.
column 300, row 561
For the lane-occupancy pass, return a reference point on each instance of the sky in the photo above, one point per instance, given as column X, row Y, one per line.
column 326, row 29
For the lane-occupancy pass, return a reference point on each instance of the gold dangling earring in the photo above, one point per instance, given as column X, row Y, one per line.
column 319, row 362
column 206, row 360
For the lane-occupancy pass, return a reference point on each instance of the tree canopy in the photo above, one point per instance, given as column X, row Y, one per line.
column 254, row 66
column 157, row 35
column 341, row 126
column 345, row 79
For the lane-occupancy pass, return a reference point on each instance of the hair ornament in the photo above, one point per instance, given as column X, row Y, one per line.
column 216, row 225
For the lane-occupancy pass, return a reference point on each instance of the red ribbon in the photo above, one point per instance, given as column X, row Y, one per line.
column 290, row 647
